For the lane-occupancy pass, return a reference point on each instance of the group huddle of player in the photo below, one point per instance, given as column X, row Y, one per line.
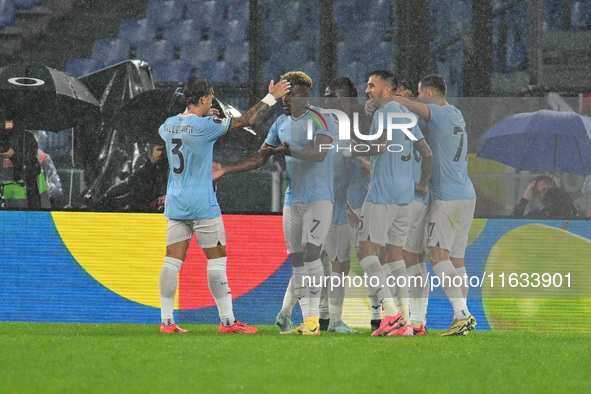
column 390, row 193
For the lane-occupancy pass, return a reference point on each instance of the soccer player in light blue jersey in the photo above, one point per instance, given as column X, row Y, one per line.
column 344, row 220
column 307, row 209
column 454, row 198
column 191, row 205
column 414, row 255
column 386, row 214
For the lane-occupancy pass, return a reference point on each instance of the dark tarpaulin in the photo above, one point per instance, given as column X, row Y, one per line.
column 133, row 110
column 105, row 153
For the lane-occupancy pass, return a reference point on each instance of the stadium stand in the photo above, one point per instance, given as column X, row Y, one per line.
column 111, row 50
column 82, row 66
column 152, row 51
column 194, row 51
column 27, row 4
column 171, row 70
column 159, row 12
column 134, row 30
column 182, row 30
column 7, row 13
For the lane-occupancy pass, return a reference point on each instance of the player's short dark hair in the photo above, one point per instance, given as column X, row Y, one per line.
column 546, row 178
column 195, row 89
column 345, row 84
column 387, row 76
column 435, row 82
column 297, row 78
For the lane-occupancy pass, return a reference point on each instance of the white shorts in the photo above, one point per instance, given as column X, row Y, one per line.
column 449, row 225
column 416, row 241
column 337, row 245
column 385, row 223
column 209, row 232
column 306, row 224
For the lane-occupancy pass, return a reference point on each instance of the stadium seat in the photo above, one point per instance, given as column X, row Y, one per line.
column 206, row 13
column 553, row 15
column 515, row 56
column 232, row 31
column 235, row 54
column 239, row 72
column 355, row 71
column 135, row 30
column 368, row 33
column 182, row 30
column 7, row 13
column 160, row 12
column 580, row 15
column 110, row 50
column 152, row 51
column 347, row 52
column 26, row 4
column 343, row 12
column 221, row 72
column 171, row 70
column 194, row 51
column 82, row 66
column 204, row 69
column 379, row 56
column 238, row 10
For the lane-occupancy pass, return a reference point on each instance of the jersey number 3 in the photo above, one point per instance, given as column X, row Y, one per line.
column 176, row 150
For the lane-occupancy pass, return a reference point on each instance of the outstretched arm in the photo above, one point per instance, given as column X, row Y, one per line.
column 249, row 117
column 414, row 106
column 251, row 162
column 426, row 167
column 315, row 153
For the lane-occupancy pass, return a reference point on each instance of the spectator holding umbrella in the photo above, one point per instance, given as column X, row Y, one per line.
column 20, row 153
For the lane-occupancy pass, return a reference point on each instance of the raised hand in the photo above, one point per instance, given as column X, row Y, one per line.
column 280, row 89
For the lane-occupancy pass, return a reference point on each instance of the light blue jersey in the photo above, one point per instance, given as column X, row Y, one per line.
column 449, row 142
column 417, row 160
column 189, row 147
column 342, row 180
column 307, row 181
column 392, row 178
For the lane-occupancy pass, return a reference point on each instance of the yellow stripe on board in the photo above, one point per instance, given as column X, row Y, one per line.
column 122, row 251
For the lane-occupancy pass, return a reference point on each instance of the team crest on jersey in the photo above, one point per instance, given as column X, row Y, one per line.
column 217, row 120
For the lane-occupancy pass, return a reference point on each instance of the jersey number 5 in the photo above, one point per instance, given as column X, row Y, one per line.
column 176, row 150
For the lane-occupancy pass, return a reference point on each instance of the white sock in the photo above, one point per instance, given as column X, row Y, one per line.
column 301, row 289
column 416, row 292
column 324, row 296
column 462, row 273
column 446, row 272
column 425, row 290
column 337, row 299
column 375, row 306
column 289, row 299
column 168, row 284
column 218, row 286
column 397, row 271
column 373, row 269
column 316, row 274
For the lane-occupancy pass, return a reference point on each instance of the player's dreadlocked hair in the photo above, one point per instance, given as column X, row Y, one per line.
column 435, row 82
column 297, row 78
column 195, row 89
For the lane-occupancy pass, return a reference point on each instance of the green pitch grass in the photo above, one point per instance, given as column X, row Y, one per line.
column 81, row 358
